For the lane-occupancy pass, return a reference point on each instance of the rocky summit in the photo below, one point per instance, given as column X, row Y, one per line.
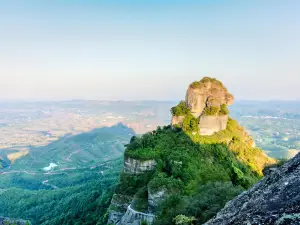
column 274, row 200
column 206, row 100
column 187, row 171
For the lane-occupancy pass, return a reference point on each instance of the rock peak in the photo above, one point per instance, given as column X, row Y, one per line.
column 206, row 100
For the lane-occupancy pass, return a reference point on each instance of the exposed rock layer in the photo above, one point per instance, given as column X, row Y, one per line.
column 208, row 125
column 274, row 200
column 135, row 166
column 133, row 217
column 177, row 120
column 118, row 208
column 120, row 211
column 207, row 92
column 200, row 96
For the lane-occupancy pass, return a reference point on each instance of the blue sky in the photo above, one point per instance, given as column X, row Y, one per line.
column 134, row 50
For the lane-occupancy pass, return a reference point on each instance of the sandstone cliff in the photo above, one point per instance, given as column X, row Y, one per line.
column 274, row 200
column 206, row 93
column 207, row 102
column 124, row 209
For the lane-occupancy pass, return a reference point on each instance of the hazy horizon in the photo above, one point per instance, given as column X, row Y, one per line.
column 149, row 50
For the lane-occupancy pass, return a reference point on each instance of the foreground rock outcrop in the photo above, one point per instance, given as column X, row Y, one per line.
column 274, row 200
column 206, row 101
column 135, row 166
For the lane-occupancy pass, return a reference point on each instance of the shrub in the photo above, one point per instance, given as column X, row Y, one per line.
column 190, row 123
column 183, row 220
column 211, row 111
column 224, row 110
column 180, row 110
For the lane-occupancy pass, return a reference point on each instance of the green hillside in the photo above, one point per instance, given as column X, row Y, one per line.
column 82, row 202
column 200, row 173
column 79, row 186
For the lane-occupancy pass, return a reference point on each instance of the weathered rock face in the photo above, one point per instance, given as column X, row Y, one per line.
column 118, row 207
column 133, row 217
column 177, row 120
column 120, row 210
column 274, row 200
column 135, row 166
column 208, row 125
column 206, row 100
column 155, row 197
column 208, row 92
column 8, row 221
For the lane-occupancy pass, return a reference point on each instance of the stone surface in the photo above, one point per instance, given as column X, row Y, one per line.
column 208, row 92
column 133, row 217
column 208, row 125
column 118, row 208
column 274, row 200
column 135, row 166
column 177, row 120
column 155, row 197
column 120, row 211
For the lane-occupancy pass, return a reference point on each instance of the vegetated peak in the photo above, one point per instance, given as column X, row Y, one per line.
column 187, row 171
column 214, row 88
column 204, row 110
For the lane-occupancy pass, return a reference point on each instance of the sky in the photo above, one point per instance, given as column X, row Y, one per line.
column 148, row 50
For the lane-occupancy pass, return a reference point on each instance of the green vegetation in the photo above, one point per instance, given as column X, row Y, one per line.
column 215, row 110
column 205, row 80
column 223, row 110
column 84, row 203
column 190, row 123
column 211, row 111
column 199, row 173
column 182, row 219
column 180, row 110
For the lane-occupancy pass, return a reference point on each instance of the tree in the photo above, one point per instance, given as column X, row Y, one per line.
column 184, row 220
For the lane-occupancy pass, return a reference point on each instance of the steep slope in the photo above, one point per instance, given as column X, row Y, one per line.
column 274, row 200
column 175, row 173
column 83, row 201
column 77, row 186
